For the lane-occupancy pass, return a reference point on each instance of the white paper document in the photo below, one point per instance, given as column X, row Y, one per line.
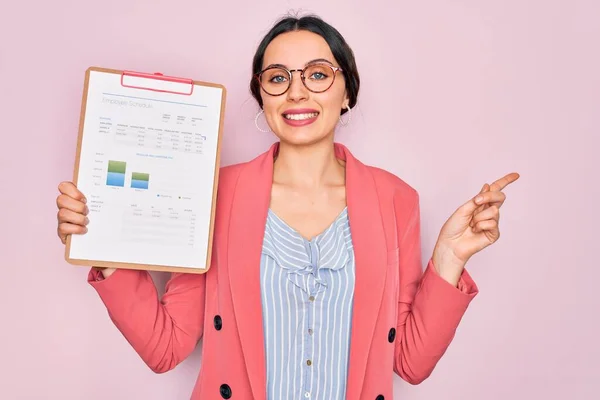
column 147, row 168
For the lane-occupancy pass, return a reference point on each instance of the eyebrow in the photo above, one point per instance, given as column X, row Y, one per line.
column 316, row 60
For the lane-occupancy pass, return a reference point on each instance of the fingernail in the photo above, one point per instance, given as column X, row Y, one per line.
column 84, row 200
column 478, row 199
column 86, row 211
column 87, row 220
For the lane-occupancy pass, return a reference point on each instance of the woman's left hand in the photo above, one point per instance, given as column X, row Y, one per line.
column 472, row 227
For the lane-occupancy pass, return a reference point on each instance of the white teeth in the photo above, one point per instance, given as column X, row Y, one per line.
column 298, row 117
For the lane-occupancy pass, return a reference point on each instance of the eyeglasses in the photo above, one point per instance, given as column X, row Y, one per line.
column 316, row 77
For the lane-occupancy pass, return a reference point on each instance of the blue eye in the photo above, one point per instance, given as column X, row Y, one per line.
column 278, row 79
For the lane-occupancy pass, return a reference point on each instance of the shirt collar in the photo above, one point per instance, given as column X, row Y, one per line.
column 302, row 258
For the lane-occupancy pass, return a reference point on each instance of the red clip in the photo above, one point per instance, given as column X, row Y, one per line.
column 157, row 76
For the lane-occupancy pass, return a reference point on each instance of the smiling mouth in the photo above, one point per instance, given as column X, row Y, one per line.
column 300, row 117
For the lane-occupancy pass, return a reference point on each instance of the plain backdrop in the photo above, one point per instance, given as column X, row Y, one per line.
column 454, row 94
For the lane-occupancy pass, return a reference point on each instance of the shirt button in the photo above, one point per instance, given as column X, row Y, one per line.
column 307, row 395
column 308, row 362
column 310, row 331
column 312, row 298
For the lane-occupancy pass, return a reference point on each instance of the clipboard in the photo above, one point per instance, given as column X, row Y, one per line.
column 173, row 210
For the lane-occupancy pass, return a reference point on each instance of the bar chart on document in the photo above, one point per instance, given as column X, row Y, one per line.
column 146, row 168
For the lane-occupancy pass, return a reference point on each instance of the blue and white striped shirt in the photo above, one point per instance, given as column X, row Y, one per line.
column 307, row 292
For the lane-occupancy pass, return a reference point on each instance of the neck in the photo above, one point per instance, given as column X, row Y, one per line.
column 312, row 166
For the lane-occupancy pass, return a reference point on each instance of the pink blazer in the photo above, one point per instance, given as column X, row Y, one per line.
column 404, row 317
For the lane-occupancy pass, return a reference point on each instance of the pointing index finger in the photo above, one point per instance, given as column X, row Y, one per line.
column 504, row 181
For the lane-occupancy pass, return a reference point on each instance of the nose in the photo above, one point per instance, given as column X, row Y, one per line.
column 297, row 90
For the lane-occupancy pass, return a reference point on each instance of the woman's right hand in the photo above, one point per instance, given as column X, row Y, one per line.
column 72, row 211
column 72, row 215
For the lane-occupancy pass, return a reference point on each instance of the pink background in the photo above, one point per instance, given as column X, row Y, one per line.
column 455, row 94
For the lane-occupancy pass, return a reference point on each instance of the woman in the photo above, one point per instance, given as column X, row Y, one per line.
column 316, row 288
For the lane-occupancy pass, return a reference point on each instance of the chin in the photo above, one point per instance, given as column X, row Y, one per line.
column 303, row 127
column 302, row 139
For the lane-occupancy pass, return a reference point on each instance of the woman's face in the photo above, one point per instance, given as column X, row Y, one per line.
column 299, row 116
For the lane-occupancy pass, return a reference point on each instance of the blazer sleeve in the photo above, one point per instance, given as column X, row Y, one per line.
column 430, row 308
column 163, row 331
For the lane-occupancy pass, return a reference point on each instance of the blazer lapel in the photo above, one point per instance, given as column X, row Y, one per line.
column 246, row 232
column 370, row 253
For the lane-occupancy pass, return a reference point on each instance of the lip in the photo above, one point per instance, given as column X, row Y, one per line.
column 303, row 122
column 300, row 111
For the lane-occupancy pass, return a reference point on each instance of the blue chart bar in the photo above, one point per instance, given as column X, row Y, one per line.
column 115, row 179
column 137, row 184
